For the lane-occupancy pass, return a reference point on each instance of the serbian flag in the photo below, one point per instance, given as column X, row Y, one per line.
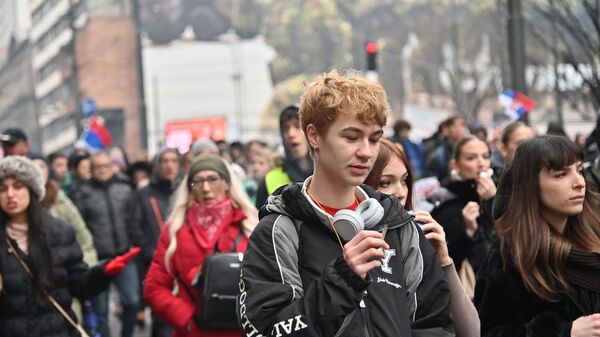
column 516, row 104
column 96, row 136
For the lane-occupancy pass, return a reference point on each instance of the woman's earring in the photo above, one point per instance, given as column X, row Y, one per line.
column 454, row 174
column 316, row 154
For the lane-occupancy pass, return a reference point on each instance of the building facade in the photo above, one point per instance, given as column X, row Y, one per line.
column 85, row 49
column 18, row 106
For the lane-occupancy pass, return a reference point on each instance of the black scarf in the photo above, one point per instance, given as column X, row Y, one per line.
column 582, row 272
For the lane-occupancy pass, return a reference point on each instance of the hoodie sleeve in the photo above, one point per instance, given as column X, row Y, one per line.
column 273, row 301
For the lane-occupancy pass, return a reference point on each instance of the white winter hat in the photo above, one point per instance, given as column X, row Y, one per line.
column 24, row 170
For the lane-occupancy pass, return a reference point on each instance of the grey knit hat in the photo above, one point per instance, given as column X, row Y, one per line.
column 203, row 145
column 24, row 170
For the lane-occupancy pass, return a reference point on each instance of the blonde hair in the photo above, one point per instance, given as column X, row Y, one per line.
column 332, row 94
column 183, row 200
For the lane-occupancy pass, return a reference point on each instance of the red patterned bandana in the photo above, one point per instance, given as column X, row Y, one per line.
column 208, row 221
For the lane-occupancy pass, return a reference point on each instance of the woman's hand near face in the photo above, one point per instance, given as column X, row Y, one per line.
column 485, row 186
column 586, row 326
column 435, row 235
column 470, row 214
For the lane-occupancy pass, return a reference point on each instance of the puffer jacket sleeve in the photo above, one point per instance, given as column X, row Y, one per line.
column 158, row 287
column 82, row 233
column 504, row 304
column 431, row 298
column 83, row 282
column 272, row 299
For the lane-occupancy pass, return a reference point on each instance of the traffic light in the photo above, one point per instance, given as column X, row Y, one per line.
column 371, row 49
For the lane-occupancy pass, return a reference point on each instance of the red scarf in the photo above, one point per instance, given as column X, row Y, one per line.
column 209, row 223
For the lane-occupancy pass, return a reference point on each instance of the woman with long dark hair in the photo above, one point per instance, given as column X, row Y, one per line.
column 391, row 174
column 41, row 264
column 543, row 277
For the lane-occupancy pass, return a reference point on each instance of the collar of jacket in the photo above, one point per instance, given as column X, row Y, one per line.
column 160, row 183
column 103, row 184
column 294, row 202
column 464, row 189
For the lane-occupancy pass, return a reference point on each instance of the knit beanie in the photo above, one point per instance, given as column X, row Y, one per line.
column 202, row 145
column 208, row 163
column 25, row 171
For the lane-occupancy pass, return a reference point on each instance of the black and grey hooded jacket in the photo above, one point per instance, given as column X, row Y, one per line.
column 295, row 281
column 144, row 220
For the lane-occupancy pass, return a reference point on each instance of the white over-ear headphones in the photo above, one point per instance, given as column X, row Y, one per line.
column 348, row 223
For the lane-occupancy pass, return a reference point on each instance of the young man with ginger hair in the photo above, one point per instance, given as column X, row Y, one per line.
column 299, row 277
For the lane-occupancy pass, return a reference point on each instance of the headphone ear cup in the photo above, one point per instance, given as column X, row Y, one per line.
column 348, row 223
column 371, row 211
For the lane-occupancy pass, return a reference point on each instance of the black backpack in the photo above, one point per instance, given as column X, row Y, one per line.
column 219, row 284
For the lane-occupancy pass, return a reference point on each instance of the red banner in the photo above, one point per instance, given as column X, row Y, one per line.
column 181, row 134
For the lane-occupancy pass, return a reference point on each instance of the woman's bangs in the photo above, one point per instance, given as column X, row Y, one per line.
column 560, row 154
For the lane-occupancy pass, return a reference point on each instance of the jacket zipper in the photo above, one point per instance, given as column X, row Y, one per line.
column 113, row 225
column 364, row 313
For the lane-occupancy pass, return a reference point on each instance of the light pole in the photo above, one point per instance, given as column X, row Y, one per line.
column 516, row 48
column 140, row 70
column 557, row 95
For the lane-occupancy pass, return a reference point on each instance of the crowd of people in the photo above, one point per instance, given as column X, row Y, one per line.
column 338, row 237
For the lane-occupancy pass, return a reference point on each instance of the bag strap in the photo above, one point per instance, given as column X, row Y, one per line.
column 156, row 212
column 236, row 242
column 54, row 302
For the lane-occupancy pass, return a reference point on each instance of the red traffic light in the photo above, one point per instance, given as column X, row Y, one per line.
column 371, row 47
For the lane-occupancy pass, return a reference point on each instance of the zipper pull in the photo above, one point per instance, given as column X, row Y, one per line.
column 362, row 300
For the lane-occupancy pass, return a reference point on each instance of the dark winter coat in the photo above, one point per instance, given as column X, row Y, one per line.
column 20, row 315
column 295, row 281
column 507, row 309
column 145, row 227
column 105, row 208
column 592, row 171
column 448, row 203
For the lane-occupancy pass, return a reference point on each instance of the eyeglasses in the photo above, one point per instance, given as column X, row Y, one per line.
column 212, row 181
column 102, row 166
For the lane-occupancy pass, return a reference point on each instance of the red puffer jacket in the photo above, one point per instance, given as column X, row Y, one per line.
column 178, row 309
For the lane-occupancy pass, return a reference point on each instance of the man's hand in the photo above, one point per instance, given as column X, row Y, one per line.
column 364, row 252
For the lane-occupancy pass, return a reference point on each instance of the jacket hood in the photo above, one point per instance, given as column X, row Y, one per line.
column 290, row 163
column 157, row 178
column 293, row 169
column 293, row 201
